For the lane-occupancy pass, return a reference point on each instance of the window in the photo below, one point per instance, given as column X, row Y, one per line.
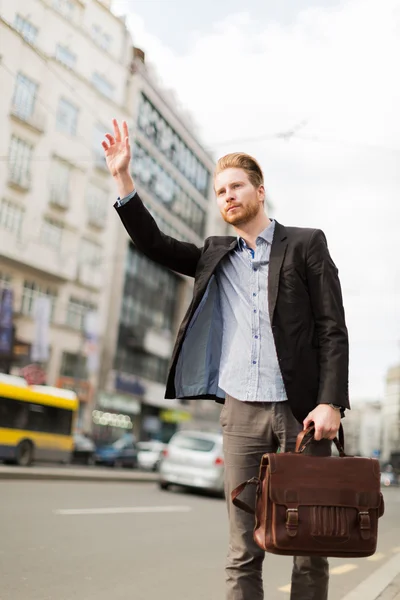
column 90, row 253
column 51, row 234
column 24, row 96
column 101, row 38
column 76, row 313
column 60, row 177
column 150, row 293
column 5, row 280
column 26, row 29
column 163, row 187
column 65, row 56
column 65, row 7
column 142, row 364
column 97, row 205
column 31, row 416
column 33, row 290
column 160, row 133
column 20, row 157
column 190, row 442
column 73, row 365
column 102, row 85
column 11, row 217
column 67, row 117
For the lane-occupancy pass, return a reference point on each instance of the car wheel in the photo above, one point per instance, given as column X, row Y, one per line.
column 90, row 460
column 163, row 485
column 118, row 464
column 24, row 457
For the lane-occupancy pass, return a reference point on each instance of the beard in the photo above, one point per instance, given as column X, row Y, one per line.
column 242, row 215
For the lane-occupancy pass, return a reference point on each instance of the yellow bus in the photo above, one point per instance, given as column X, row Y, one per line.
column 36, row 422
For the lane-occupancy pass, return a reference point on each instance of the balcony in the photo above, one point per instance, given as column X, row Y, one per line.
column 19, row 179
column 35, row 119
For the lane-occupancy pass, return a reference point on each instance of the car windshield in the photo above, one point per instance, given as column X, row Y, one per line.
column 122, row 443
column 190, row 442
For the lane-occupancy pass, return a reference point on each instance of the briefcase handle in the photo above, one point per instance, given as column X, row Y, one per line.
column 306, row 436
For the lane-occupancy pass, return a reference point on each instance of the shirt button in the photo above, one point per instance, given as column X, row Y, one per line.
column 254, row 294
column 255, row 310
column 256, row 337
column 254, row 269
column 254, row 362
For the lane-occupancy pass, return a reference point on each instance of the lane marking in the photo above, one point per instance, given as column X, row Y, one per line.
column 285, row 588
column 122, row 510
column 342, row 569
column 376, row 557
column 377, row 581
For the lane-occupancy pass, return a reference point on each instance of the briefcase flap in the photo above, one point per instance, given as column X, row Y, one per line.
column 298, row 479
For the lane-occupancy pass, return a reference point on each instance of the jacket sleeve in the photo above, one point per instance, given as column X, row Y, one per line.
column 327, row 306
column 181, row 257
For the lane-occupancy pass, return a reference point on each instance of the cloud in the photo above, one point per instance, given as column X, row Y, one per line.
column 336, row 70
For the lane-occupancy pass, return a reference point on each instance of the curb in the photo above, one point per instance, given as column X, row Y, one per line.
column 67, row 474
column 392, row 591
column 378, row 583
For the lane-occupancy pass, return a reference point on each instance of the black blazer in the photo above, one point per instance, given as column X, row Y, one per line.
column 304, row 298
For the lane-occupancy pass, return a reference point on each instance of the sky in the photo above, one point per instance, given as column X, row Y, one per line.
column 311, row 89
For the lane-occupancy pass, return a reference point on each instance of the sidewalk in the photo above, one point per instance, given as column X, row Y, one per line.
column 392, row 591
column 72, row 473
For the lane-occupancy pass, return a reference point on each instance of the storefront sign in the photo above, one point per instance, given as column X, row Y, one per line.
column 129, row 384
column 174, row 416
column 6, row 321
column 118, row 403
column 81, row 387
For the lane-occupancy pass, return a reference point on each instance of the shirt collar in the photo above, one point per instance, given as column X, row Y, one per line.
column 267, row 235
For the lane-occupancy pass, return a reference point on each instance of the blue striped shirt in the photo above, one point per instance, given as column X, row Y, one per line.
column 249, row 368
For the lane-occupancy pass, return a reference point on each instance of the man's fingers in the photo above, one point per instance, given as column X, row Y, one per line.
column 105, row 145
column 318, row 434
column 110, row 139
column 117, row 132
column 127, row 144
column 125, row 129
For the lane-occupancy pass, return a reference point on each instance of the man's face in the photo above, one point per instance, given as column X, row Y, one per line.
column 238, row 200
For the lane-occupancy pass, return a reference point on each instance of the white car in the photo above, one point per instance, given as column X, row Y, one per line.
column 150, row 454
column 194, row 459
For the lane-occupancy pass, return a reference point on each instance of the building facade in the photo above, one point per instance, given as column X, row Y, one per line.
column 363, row 429
column 63, row 66
column 391, row 413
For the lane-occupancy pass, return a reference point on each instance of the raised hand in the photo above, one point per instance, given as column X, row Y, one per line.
column 117, row 151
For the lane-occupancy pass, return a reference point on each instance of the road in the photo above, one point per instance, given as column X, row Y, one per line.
column 119, row 541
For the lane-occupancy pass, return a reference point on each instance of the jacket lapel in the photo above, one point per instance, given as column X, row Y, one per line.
column 278, row 249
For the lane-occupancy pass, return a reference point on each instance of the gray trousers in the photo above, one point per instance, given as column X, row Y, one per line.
column 250, row 429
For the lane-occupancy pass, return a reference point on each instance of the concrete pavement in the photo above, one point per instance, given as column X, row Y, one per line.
column 80, row 539
column 76, row 473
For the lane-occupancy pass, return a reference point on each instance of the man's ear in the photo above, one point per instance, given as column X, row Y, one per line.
column 261, row 193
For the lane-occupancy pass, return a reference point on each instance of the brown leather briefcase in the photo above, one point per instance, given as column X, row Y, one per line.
column 316, row 506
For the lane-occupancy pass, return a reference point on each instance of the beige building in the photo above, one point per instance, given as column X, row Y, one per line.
column 363, row 428
column 391, row 413
column 173, row 174
column 63, row 66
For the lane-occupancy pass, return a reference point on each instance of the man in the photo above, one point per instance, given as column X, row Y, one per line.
column 265, row 335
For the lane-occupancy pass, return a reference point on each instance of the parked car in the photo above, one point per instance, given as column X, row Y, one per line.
column 150, row 454
column 193, row 459
column 84, row 450
column 121, row 453
column 388, row 476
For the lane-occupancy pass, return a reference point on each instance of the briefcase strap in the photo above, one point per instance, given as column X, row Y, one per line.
column 237, row 491
column 306, row 436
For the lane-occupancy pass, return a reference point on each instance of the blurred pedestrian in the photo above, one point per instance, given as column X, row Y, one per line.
column 264, row 335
